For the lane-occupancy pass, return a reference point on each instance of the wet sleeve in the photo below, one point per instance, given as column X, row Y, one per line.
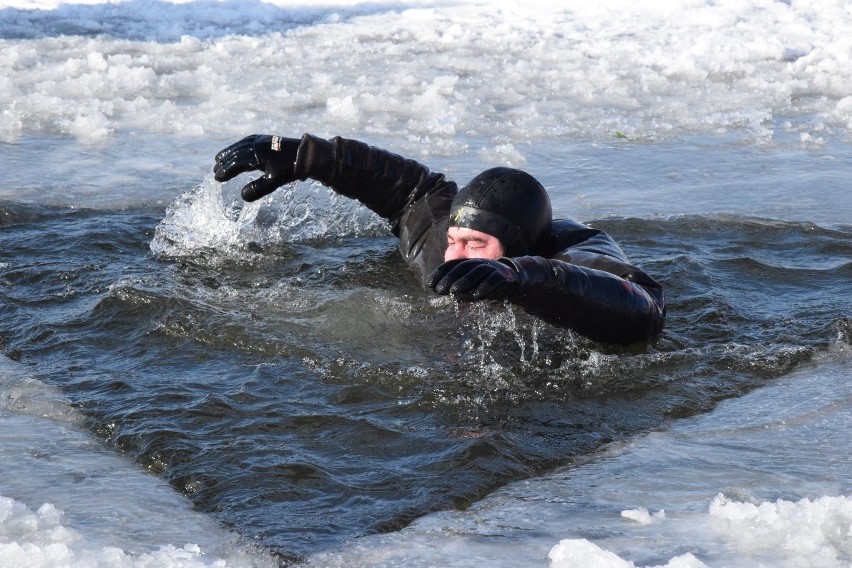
column 592, row 288
column 414, row 200
column 386, row 183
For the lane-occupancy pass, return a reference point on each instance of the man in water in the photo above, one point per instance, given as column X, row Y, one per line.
column 494, row 239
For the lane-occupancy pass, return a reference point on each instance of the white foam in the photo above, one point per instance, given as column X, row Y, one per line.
column 806, row 533
column 803, row 533
column 581, row 552
column 212, row 216
column 41, row 539
column 450, row 73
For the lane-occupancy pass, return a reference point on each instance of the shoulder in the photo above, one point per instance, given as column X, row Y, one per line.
column 577, row 243
column 567, row 234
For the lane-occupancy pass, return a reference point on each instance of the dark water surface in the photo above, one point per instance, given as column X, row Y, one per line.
column 307, row 391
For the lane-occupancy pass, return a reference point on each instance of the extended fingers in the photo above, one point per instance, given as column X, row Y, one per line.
column 469, row 280
column 460, row 277
column 467, row 277
column 446, row 275
column 260, row 187
column 436, row 279
column 237, row 158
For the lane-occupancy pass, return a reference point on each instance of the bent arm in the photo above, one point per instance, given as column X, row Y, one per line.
column 413, row 199
column 385, row 182
column 596, row 303
column 590, row 285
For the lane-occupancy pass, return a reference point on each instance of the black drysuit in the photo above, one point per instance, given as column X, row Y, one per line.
column 579, row 279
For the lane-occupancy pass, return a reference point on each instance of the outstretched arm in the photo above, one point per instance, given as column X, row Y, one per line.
column 413, row 199
column 385, row 182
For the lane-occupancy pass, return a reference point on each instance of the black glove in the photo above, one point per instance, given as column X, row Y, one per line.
column 472, row 279
column 273, row 155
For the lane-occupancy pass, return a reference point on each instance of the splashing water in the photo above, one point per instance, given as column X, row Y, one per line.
column 212, row 216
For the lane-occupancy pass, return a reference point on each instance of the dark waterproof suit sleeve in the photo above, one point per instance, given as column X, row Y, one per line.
column 413, row 199
column 589, row 285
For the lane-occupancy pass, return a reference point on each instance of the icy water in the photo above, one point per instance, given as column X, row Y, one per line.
column 190, row 381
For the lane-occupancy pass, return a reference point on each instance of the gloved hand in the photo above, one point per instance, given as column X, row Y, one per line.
column 472, row 279
column 273, row 155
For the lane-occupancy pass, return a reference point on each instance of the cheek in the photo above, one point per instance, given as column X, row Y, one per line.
column 453, row 252
column 497, row 251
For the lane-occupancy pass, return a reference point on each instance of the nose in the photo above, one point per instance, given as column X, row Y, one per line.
column 454, row 252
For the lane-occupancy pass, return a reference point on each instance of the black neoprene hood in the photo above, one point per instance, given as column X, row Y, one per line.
column 505, row 203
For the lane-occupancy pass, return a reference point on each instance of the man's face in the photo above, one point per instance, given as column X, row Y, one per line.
column 469, row 243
